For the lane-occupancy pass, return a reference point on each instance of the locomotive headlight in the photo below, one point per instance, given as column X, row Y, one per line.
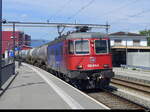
column 79, row 67
column 106, row 65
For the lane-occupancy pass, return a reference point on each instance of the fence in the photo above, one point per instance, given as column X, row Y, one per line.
column 8, row 69
column 139, row 59
column 135, row 67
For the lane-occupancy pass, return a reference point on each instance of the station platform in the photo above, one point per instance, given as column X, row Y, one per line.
column 139, row 76
column 34, row 88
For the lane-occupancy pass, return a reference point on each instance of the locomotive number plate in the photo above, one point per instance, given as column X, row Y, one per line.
column 93, row 65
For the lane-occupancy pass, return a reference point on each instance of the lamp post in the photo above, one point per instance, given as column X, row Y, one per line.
column 0, row 43
column 107, row 28
column 14, row 45
column 126, row 49
column 14, row 41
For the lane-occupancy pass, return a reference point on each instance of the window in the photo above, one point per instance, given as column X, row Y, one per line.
column 136, row 42
column 101, row 46
column 117, row 42
column 82, row 47
column 71, row 47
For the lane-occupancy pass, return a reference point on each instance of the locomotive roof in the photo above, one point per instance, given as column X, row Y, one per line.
column 78, row 35
column 86, row 35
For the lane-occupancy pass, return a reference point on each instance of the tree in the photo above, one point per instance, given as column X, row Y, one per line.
column 146, row 33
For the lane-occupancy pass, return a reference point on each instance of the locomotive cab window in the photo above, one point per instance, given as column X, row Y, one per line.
column 82, row 47
column 71, row 47
column 101, row 46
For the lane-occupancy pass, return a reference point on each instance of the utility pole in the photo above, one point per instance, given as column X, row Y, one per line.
column 1, row 21
column 126, row 49
column 14, row 45
column 107, row 28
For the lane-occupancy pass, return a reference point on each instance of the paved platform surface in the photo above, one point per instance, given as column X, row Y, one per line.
column 135, row 75
column 34, row 88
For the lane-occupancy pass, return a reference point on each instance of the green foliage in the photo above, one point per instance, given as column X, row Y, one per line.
column 148, row 39
column 146, row 33
column 133, row 68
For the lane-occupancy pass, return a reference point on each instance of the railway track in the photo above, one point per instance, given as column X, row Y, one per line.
column 113, row 101
column 132, row 85
column 138, row 93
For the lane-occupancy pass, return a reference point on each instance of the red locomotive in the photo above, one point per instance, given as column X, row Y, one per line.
column 83, row 59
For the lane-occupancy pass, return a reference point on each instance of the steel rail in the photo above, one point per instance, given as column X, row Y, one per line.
column 132, row 85
column 113, row 101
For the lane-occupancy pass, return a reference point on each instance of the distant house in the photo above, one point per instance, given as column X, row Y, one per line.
column 22, row 41
column 127, row 39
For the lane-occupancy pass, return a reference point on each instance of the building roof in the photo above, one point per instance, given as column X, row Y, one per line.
column 131, row 47
column 125, row 34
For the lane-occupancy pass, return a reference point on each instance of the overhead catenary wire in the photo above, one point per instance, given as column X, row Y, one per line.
column 61, row 8
column 120, row 8
column 132, row 16
column 140, row 13
column 81, row 9
column 43, row 24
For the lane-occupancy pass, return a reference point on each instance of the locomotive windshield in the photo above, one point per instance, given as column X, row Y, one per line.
column 82, row 47
column 101, row 46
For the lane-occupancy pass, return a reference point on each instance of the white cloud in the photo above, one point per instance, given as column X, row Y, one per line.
column 24, row 16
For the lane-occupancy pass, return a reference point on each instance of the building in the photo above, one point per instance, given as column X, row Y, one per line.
column 122, row 44
column 21, row 40
column 27, row 40
column 127, row 39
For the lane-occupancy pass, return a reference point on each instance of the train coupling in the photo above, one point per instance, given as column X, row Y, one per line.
column 106, row 74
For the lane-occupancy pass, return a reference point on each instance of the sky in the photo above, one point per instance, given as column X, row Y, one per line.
column 122, row 15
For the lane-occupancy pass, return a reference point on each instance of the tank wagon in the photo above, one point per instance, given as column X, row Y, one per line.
column 83, row 59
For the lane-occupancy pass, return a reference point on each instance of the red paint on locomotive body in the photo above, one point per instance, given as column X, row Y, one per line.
column 79, row 59
column 91, row 60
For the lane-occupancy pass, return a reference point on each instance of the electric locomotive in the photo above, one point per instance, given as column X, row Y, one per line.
column 82, row 59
